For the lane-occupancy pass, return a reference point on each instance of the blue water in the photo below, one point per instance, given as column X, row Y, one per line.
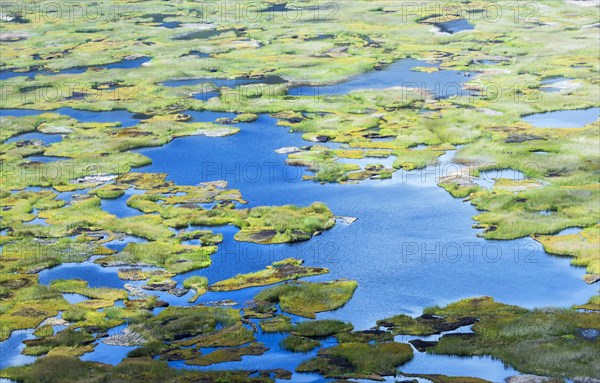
column 170, row 24
column 74, row 298
column 402, row 250
column 44, row 137
column 118, row 206
column 443, row 84
column 455, row 26
column 10, row 349
column 44, row 159
column 487, row 178
column 413, row 245
column 125, row 117
column 108, row 353
column 564, row 118
column 123, row 64
column 96, row 275
column 128, row 64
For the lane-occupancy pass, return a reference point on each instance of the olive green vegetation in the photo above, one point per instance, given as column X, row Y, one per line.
column 68, row 342
column 178, row 333
column 455, row 315
column 67, row 369
column 300, row 338
column 307, row 299
column 279, row 271
column 593, row 304
column 81, row 287
column 198, row 284
column 359, row 360
column 549, row 342
column 260, row 310
column 228, row 354
column 378, row 131
column 424, row 325
column 321, row 328
column 28, row 305
column 298, row 343
column 176, row 323
column 279, row 323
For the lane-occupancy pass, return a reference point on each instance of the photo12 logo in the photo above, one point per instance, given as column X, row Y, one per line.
column 49, row 12
column 254, row 12
column 520, row 11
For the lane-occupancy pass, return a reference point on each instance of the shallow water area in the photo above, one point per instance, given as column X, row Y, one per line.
column 442, row 83
column 413, row 244
column 47, row 139
column 118, row 206
column 488, row 178
column 45, row 159
column 455, row 26
column 11, row 349
column 564, row 118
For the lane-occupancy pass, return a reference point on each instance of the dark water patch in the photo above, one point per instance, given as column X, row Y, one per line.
column 203, row 34
column 564, row 118
column 198, row 54
column 170, row 24
column 320, row 37
column 281, row 7
column 158, row 17
column 128, row 64
column 5, row 75
column 455, row 26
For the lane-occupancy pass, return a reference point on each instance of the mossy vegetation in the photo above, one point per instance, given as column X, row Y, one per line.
column 366, row 134
column 198, row 284
column 298, row 343
column 321, row 328
column 228, row 354
column 307, row 299
column 68, row 369
column 279, row 323
column 359, row 360
column 284, row 270
column 547, row 342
